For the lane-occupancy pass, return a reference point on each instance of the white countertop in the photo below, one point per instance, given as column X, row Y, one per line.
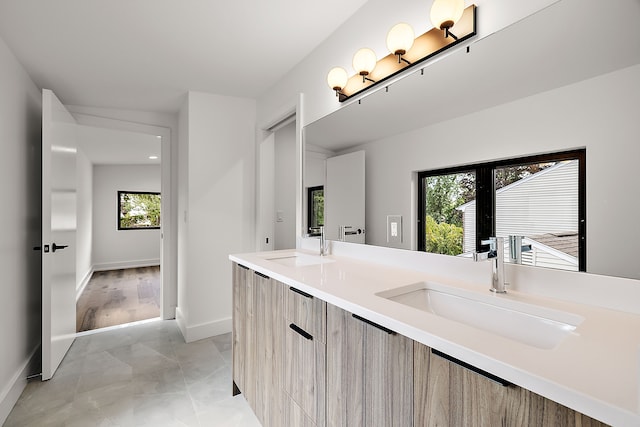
column 595, row 370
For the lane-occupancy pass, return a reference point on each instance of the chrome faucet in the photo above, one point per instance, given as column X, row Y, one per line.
column 496, row 255
column 323, row 243
column 516, row 248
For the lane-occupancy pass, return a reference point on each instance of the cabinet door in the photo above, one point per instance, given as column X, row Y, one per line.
column 345, row 369
column 388, row 373
column 269, row 350
column 370, row 373
column 241, row 276
column 452, row 395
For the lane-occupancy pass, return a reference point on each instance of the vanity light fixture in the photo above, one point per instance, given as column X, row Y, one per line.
column 406, row 50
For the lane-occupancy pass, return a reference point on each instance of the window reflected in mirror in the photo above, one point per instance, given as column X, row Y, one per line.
column 315, row 209
column 537, row 203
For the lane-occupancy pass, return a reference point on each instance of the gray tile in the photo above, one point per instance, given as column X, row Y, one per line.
column 231, row 412
column 163, row 409
column 211, row 389
column 223, row 342
column 143, row 375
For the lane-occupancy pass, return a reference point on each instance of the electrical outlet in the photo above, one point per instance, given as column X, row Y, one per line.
column 394, row 228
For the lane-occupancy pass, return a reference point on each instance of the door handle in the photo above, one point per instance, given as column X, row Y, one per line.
column 55, row 247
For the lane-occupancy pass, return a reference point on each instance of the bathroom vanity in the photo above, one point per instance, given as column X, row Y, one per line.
column 396, row 338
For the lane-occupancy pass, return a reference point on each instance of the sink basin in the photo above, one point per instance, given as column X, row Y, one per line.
column 529, row 324
column 297, row 259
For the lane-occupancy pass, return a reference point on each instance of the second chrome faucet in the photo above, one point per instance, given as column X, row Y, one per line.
column 496, row 256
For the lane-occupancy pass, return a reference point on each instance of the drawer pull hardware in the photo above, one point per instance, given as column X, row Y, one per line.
column 262, row 275
column 243, row 267
column 375, row 325
column 301, row 331
column 298, row 291
column 479, row 371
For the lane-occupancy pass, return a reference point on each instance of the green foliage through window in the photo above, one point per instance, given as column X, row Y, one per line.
column 138, row 210
column 443, row 238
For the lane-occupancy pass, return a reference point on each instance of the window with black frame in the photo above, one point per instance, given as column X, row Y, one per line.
column 539, row 199
column 315, row 210
column 138, row 210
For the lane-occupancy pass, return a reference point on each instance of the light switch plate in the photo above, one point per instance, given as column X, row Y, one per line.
column 394, row 228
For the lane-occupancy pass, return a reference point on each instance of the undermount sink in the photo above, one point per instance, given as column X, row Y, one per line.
column 529, row 324
column 297, row 259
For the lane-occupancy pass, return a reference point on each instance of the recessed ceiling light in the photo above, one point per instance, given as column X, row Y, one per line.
column 153, row 157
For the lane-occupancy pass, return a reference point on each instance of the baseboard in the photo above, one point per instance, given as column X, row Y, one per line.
column 84, row 282
column 118, row 265
column 11, row 392
column 182, row 323
column 202, row 330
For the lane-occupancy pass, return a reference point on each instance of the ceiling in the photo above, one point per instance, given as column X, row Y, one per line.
column 146, row 54
column 116, row 147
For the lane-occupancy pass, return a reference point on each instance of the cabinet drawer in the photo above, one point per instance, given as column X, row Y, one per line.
column 307, row 312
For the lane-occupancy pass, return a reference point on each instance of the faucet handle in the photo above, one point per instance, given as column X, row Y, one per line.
column 480, row 256
column 491, row 241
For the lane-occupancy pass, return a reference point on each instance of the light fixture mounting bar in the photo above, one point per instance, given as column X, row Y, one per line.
column 426, row 46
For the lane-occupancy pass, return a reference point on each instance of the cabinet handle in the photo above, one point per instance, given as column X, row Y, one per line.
column 298, row 291
column 243, row 267
column 472, row 368
column 301, row 331
column 262, row 275
column 375, row 325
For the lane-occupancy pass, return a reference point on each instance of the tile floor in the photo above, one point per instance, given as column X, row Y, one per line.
column 141, row 375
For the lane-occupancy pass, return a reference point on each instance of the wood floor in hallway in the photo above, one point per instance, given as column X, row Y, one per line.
column 116, row 297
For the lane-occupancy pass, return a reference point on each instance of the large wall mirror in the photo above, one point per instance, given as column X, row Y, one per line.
column 523, row 91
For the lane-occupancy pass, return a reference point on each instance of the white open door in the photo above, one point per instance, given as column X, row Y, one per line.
column 59, row 147
column 344, row 198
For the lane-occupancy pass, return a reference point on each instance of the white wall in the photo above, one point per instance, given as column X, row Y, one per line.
column 20, row 184
column 113, row 248
column 285, row 187
column 84, row 220
column 217, row 218
column 599, row 114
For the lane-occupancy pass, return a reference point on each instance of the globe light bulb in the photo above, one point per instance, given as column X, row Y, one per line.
column 400, row 38
column 337, row 78
column 364, row 61
column 445, row 13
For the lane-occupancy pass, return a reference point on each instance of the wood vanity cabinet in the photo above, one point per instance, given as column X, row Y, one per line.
column 452, row 395
column 369, row 373
column 304, row 377
column 302, row 362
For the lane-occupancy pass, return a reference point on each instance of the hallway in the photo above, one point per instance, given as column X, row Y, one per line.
column 138, row 375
